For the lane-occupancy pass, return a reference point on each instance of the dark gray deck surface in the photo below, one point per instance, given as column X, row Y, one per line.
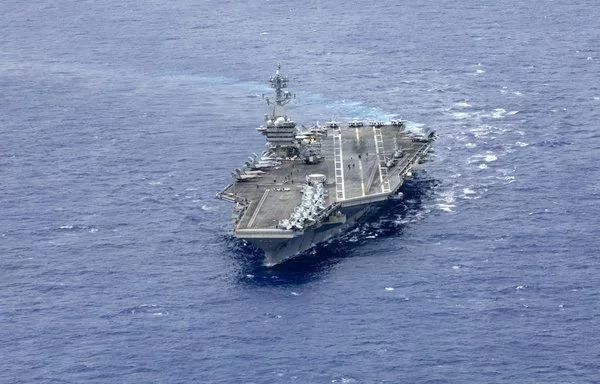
column 274, row 195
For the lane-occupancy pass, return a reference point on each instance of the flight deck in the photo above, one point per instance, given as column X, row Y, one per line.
column 356, row 165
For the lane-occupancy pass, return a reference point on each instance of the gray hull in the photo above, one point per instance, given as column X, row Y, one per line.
column 278, row 250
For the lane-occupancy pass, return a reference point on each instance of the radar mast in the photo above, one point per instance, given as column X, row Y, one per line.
column 279, row 129
column 282, row 96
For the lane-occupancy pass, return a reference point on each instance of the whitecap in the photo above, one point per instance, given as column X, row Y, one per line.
column 479, row 71
column 483, row 166
column 265, row 33
column 512, row 113
column 389, row 288
column 476, row 158
column 482, row 130
column 150, row 309
column 295, row 294
column 461, row 115
column 470, row 145
column 447, row 196
column 463, row 104
column 498, row 113
column 468, row 191
column 446, row 207
column 487, row 158
column 505, row 171
column 521, row 144
column 155, row 183
column 455, row 267
column 517, row 93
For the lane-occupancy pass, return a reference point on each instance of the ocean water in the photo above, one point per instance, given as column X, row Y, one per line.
column 120, row 120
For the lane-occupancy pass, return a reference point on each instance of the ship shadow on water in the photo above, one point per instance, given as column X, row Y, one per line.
column 386, row 220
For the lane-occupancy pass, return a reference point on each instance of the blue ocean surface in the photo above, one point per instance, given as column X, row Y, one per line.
column 120, row 120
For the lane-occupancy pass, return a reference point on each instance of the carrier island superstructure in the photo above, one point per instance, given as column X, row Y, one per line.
column 313, row 183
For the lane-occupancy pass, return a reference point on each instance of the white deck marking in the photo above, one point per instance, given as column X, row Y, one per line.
column 260, row 203
column 360, row 164
column 383, row 174
column 340, row 191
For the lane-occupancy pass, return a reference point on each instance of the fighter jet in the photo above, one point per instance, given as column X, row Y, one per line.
column 256, row 163
column 241, row 175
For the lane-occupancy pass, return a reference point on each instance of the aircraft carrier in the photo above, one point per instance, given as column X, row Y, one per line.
column 313, row 183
